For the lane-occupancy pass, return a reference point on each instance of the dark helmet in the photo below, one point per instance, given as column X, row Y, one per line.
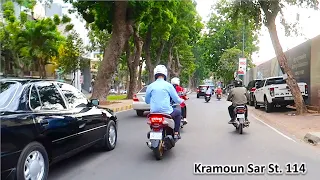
column 238, row 83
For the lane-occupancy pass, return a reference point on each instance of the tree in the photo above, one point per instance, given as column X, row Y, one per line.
column 9, row 40
column 252, row 10
column 69, row 54
column 117, row 17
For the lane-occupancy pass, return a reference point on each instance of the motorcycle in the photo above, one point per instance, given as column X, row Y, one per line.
column 240, row 121
column 207, row 97
column 161, row 136
column 219, row 96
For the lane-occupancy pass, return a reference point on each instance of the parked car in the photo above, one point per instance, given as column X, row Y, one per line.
column 44, row 121
column 252, row 85
column 123, row 92
column 275, row 91
column 139, row 103
column 112, row 91
column 201, row 90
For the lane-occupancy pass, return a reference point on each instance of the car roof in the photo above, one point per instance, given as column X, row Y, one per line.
column 26, row 80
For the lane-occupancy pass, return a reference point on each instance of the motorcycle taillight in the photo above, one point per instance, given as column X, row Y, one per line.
column 241, row 111
column 156, row 120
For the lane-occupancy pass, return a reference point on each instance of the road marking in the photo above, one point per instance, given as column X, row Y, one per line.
column 277, row 131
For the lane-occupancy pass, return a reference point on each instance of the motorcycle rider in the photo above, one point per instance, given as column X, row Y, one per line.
column 239, row 96
column 176, row 83
column 218, row 91
column 209, row 90
column 158, row 96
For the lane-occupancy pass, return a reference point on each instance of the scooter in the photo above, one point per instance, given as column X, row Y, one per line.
column 161, row 135
column 219, row 97
column 207, row 97
column 240, row 122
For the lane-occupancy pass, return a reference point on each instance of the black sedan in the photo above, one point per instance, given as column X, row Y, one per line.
column 43, row 122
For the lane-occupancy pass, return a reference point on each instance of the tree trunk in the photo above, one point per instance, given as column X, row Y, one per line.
column 169, row 64
column 133, row 62
column 176, row 68
column 140, row 74
column 121, row 31
column 147, row 50
column 282, row 59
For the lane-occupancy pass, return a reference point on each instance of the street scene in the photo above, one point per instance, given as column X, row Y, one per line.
column 189, row 89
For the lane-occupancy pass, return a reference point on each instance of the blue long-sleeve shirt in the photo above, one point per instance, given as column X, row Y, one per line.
column 158, row 96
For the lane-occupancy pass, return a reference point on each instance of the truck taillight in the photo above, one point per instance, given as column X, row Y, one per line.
column 135, row 98
column 271, row 92
column 306, row 89
column 253, row 89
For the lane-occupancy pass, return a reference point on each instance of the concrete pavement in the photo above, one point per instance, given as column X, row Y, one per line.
column 207, row 139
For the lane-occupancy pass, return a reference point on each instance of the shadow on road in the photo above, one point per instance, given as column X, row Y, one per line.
column 65, row 165
column 279, row 110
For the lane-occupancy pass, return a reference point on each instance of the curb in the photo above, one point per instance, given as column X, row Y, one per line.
column 312, row 138
column 123, row 108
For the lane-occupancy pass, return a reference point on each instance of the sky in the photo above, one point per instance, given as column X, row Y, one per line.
column 308, row 25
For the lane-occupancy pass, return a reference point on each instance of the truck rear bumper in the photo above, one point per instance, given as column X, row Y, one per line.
column 282, row 101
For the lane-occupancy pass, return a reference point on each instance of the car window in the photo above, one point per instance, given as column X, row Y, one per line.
column 144, row 89
column 276, row 81
column 34, row 99
column 50, row 97
column 74, row 97
column 260, row 84
column 8, row 90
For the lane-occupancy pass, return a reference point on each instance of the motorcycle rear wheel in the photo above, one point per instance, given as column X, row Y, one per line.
column 158, row 151
column 240, row 128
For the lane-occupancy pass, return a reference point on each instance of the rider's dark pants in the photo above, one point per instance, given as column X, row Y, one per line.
column 184, row 112
column 176, row 116
column 231, row 111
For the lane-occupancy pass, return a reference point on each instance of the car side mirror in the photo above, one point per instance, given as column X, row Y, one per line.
column 95, row 102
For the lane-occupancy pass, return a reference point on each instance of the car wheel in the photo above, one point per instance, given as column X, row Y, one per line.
column 140, row 113
column 267, row 106
column 111, row 136
column 256, row 106
column 33, row 162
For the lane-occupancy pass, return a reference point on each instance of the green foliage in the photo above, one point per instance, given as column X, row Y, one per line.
column 70, row 52
column 228, row 63
column 224, row 34
column 27, row 41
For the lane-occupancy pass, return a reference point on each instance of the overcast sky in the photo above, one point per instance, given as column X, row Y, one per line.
column 309, row 23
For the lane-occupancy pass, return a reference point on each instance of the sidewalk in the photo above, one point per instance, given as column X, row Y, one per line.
column 286, row 121
column 119, row 105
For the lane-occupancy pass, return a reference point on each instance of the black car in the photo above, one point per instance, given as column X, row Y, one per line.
column 201, row 90
column 251, row 88
column 43, row 122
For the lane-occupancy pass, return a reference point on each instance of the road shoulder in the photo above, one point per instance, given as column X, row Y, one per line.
column 301, row 128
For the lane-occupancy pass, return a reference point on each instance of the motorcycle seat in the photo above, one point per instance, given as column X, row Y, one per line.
column 162, row 114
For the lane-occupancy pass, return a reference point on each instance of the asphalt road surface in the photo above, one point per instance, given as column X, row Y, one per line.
column 207, row 139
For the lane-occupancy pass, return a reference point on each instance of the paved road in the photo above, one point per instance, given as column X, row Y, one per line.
column 207, row 139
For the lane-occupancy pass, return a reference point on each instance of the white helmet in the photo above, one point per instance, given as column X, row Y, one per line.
column 160, row 69
column 175, row 80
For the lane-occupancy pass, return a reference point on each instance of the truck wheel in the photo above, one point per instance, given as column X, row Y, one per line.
column 256, row 106
column 267, row 106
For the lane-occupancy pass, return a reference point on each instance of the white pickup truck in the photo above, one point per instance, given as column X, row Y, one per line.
column 275, row 91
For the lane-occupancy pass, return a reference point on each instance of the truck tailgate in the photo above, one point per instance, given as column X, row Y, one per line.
column 282, row 90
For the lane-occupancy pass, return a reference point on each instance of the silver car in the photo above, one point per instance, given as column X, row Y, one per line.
column 139, row 103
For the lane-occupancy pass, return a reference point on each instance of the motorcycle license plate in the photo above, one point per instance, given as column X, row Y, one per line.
column 156, row 135
column 240, row 116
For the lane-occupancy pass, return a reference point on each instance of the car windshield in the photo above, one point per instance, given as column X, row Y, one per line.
column 276, row 81
column 143, row 90
column 8, row 90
